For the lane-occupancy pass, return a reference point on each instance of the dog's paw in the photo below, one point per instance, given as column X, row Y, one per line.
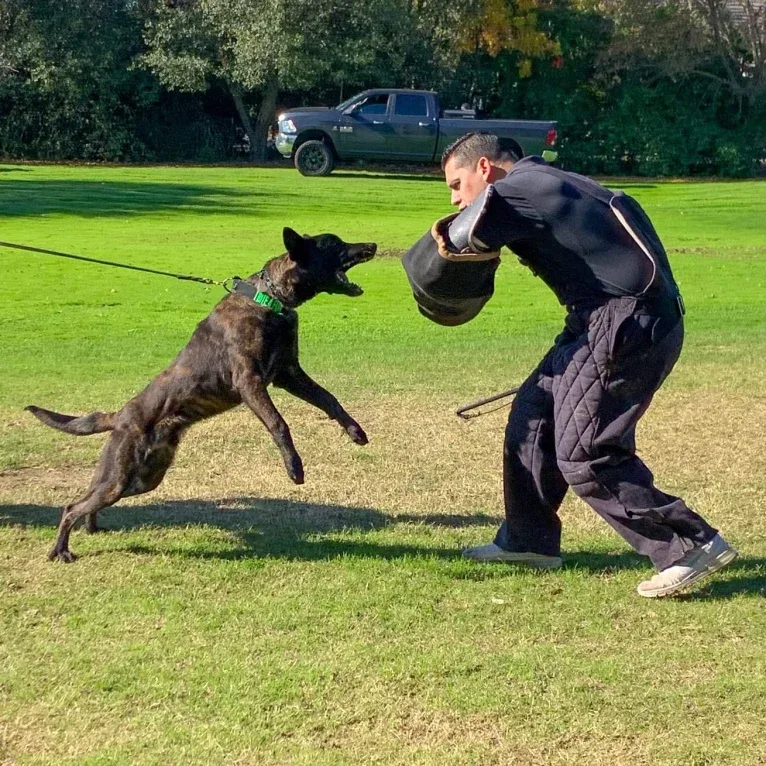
column 66, row 556
column 295, row 470
column 357, row 434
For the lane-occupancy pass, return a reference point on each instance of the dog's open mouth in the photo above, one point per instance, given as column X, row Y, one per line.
column 355, row 255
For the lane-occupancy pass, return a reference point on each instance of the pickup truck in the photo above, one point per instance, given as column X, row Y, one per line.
column 394, row 125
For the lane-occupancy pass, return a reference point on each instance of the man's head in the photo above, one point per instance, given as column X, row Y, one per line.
column 473, row 162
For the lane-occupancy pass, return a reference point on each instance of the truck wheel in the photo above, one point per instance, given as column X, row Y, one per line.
column 314, row 158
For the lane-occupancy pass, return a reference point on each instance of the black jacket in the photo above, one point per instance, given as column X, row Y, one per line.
column 563, row 226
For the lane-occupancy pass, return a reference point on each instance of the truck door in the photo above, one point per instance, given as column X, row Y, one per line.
column 413, row 127
column 363, row 129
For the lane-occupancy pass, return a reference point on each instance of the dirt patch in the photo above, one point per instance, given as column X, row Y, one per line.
column 43, row 477
column 426, row 466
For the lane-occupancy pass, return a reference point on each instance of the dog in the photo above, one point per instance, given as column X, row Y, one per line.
column 249, row 341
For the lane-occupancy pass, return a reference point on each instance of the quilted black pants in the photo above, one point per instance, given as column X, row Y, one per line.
column 573, row 424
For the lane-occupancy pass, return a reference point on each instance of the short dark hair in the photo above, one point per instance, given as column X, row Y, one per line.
column 469, row 149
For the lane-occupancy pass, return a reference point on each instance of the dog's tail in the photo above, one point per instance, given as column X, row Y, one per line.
column 94, row 423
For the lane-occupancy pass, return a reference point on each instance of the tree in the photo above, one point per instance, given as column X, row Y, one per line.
column 723, row 41
column 497, row 26
column 736, row 31
column 65, row 87
column 292, row 44
column 498, row 41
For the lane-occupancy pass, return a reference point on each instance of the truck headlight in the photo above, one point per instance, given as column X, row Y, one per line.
column 287, row 126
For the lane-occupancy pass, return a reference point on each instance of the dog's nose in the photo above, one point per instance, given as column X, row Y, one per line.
column 372, row 247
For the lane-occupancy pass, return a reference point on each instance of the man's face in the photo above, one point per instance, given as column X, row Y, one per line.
column 466, row 182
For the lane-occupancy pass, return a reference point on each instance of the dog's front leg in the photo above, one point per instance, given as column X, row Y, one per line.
column 254, row 394
column 295, row 381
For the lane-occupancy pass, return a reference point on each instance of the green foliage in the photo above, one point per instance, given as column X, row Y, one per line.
column 625, row 121
column 635, row 88
column 67, row 90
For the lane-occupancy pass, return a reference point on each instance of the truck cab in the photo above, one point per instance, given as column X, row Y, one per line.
column 398, row 124
column 392, row 125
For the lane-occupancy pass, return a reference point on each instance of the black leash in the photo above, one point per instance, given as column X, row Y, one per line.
column 462, row 412
column 185, row 277
column 239, row 286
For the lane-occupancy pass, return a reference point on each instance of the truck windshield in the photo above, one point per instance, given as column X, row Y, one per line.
column 347, row 103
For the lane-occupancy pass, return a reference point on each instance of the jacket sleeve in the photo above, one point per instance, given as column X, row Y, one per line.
column 499, row 216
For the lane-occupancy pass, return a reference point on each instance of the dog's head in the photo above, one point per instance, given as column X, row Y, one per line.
column 321, row 263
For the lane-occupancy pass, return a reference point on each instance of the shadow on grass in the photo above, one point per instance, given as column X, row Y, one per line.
column 285, row 529
column 385, row 175
column 264, row 527
column 615, row 183
column 745, row 577
column 243, row 514
column 96, row 198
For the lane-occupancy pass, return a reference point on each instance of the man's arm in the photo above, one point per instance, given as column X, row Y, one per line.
column 498, row 216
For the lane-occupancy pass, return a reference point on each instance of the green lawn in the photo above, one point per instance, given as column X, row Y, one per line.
column 231, row 617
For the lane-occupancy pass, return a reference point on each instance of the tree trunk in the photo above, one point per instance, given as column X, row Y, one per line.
column 244, row 115
column 265, row 117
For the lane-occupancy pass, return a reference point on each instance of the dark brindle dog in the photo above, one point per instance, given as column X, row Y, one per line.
column 234, row 354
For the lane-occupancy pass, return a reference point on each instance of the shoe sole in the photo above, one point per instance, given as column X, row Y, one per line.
column 532, row 562
column 718, row 563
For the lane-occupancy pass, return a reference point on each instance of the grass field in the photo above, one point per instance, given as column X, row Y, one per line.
column 233, row 618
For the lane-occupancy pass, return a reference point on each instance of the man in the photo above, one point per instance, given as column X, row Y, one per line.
column 573, row 420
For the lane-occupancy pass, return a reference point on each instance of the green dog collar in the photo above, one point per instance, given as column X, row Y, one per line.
column 264, row 299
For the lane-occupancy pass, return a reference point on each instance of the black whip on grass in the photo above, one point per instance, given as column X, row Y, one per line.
column 465, row 411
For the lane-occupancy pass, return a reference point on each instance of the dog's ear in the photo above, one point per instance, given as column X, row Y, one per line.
column 296, row 245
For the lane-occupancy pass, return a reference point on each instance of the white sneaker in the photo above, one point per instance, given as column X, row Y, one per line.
column 494, row 552
column 695, row 564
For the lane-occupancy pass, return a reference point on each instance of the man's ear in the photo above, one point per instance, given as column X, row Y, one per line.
column 484, row 166
column 296, row 245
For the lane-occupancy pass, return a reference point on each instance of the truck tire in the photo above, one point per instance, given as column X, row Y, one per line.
column 314, row 158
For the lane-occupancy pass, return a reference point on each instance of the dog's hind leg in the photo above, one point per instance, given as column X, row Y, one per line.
column 254, row 394
column 152, row 471
column 91, row 524
column 148, row 475
column 295, row 381
column 154, row 453
column 92, row 502
column 115, row 467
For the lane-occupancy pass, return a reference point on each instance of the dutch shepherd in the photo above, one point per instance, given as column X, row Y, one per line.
column 249, row 341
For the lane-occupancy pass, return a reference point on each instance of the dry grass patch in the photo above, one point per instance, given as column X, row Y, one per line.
column 425, row 466
column 231, row 617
